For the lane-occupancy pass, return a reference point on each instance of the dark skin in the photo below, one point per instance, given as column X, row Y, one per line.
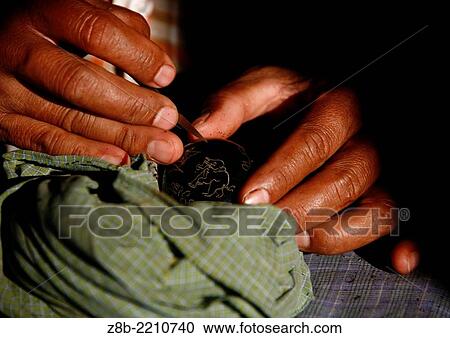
column 326, row 142
column 87, row 115
column 53, row 101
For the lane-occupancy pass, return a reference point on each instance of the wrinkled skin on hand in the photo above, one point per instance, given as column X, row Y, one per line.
column 54, row 101
column 324, row 164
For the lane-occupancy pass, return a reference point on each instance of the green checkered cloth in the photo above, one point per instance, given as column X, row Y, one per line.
column 44, row 274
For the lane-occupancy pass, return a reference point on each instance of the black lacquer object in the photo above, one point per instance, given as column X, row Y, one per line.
column 207, row 171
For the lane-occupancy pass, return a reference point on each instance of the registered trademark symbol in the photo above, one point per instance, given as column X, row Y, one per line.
column 404, row 214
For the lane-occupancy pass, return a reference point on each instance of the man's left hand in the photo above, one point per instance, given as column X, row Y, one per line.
column 324, row 165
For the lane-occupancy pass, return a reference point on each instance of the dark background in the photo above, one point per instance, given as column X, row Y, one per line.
column 225, row 39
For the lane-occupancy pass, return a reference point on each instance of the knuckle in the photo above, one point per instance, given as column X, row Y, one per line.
column 73, row 80
column 16, row 40
column 355, row 177
column 93, row 28
column 31, row 56
column 369, row 159
column 233, row 101
column 299, row 213
column 284, row 177
column 126, row 138
column 348, row 186
column 56, row 115
column 76, row 121
column 55, row 142
column 67, row 76
column 280, row 178
column 318, row 143
column 48, row 140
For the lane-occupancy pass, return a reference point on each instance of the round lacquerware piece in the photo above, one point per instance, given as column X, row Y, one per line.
column 207, row 171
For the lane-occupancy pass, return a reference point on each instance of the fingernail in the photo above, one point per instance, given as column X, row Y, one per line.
column 165, row 75
column 303, row 240
column 413, row 261
column 166, row 118
column 201, row 120
column 160, row 151
column 116, row 160
column 258, row 196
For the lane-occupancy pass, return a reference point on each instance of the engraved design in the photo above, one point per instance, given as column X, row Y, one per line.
column 182, row 194
column 213, row 176
column 210, row 171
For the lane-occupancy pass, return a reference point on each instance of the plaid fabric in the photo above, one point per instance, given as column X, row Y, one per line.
column 348, row 286
column 46, row 274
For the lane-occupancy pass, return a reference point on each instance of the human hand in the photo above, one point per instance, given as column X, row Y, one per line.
column 321, row 169
column 53, row 101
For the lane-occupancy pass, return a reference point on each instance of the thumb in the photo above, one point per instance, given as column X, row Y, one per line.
column 256, row 93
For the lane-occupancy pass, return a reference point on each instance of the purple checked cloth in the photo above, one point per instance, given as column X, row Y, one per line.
column 348, row 286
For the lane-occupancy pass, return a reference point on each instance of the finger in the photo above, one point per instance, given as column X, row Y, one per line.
column 340, row 182
column 256, row 93
column 333, row 119
column 161, row 146
column 405, row 257
column 369, row 220
column 27, row 133
column 92, row 88
column 132, row 19
column 102, row 34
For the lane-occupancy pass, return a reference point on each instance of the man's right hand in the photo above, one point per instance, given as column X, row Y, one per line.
column 53, row 101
